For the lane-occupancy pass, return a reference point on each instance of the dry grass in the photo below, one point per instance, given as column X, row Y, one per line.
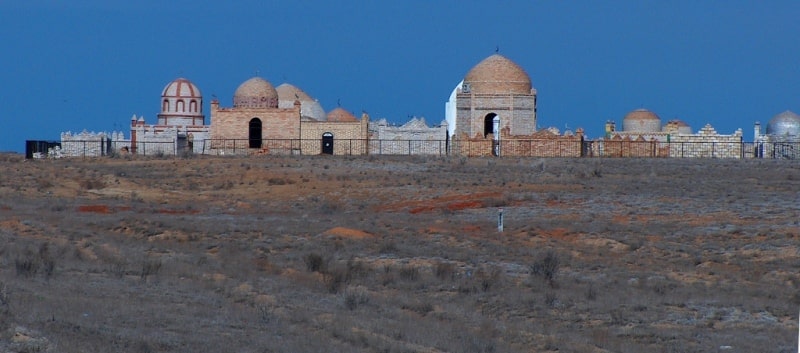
column 350, row 254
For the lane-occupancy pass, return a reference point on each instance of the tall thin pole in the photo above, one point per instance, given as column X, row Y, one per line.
column 500, row 225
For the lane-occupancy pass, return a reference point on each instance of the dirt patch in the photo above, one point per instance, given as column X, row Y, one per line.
column 348, row 233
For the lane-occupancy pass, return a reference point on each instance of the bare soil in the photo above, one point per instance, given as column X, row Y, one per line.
column 398, row 254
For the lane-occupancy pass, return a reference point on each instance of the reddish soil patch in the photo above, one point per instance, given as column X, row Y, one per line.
column 104, row 209
column 451, row 203
column 348, row 233
column 95, row 209
column 168, row 211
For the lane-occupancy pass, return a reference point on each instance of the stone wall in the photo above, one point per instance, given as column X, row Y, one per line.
column 85, row 144
column 707, row 143
column 544, row 143
column 413, row 137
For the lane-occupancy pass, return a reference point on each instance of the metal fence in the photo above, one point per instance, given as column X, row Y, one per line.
column 467, row 148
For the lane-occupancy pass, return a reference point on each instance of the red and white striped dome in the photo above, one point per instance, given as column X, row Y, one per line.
column 181, row 87
column 181, row 104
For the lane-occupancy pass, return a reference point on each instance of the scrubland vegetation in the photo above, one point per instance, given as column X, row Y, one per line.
column 398, row 254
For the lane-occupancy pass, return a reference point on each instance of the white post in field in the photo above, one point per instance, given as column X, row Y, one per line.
column 500, row 223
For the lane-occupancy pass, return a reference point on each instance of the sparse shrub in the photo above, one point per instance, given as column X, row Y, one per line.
column 489, row 278
column 409, row 273
column 314, row 262
column 357, row 269
column 4, row 296
column 149, row 268
column 28, row 263
column 264, row 313
column 92, row 184
column 118, row 268
column 419, row 307
column 334, row 278
column 388, row 247
column 547, row 267
column 276, row 181
column 353, row 297
column 591, row 292
column 387, row 275
column 550, row 299
column 445, row 270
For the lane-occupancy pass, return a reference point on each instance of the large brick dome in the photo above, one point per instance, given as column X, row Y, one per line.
column 255, row 93
column 341, row 115
column 641, row 120
column 497, row 75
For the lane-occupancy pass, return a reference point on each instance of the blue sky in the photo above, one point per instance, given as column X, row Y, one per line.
column 90, row 64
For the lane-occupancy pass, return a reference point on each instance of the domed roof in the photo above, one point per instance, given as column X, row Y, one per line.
column 783, row 124
column 181, row 87
column 288, row 93
column 641, row 120
column 677, row 125
column 497, row 75
column 255, row 93
column 309, row 107
column 641, row 114
column 312, row 109
column 341, row 115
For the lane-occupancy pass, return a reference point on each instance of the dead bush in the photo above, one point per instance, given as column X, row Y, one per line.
column 353, row 297
column 150, row 267
column 334, row 278
column 547, row 267
column 409, row 273
column 445, row 271
column 314, row 262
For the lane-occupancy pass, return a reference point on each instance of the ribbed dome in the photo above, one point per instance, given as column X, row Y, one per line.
column 497, row 75
column 181, row 88
column 641, row 120
column 784, row 124
column 341, row 115
column 255, row 93
column 181, row 104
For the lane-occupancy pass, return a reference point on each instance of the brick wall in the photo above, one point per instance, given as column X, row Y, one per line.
column 350, row 138
column 517, row 113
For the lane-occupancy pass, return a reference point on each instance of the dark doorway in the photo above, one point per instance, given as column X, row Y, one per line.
column 255, row 133
column 327, row 143
column 488, row 124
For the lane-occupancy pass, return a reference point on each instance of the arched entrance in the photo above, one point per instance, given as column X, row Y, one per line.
column 327, row 143
column 488, row 124
column 254, row 135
